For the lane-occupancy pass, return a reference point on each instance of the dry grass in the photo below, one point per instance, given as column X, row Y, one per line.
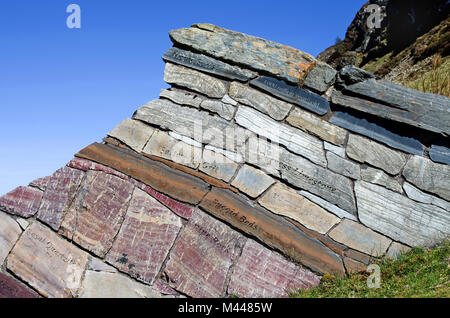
column 436, row 81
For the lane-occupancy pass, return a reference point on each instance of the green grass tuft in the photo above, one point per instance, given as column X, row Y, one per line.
column 423, row 273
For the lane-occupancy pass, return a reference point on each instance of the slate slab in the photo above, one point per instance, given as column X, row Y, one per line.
column 133, row 133
column 292, row 94
column 11, row 288
column 252, row 181
column 22, row 201
column 207, row 64
column 181, row 97
column 440, row 154
column 376, row 132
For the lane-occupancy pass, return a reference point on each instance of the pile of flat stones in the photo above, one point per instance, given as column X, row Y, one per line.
column 257, row 172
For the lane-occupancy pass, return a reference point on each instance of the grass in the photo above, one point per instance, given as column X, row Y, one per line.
column 436, row 81
column 421, row 273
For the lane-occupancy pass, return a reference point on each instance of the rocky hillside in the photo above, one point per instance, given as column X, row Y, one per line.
column 411, row 47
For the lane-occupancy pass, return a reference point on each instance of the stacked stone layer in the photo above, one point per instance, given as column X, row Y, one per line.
column 258, row 171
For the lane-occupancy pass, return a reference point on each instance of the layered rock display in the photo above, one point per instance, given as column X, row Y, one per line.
column 260, row 170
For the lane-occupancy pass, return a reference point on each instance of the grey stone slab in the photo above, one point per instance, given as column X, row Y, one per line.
column 360, row 238
column 252, row 181
column 133, row 133
column 377, row 176
column 207, row 64
column 218, row 166
column 343, row 166
column 194, row 80
column 224, row 110
column 400, row 218
column 413, row 193
column 399, row 103
column 236, row 157
column 271, row 106
column 255, row 53
column 376, row 132
column 9, row 234
column 333, row 187
column 328, row 206
column 367, row 151
column 428, row 176
column 294, row 139
column 396, row 250
column 340, row 151
column 440, row 154
column 189, row 122
column 181, row 97
column 292, row 94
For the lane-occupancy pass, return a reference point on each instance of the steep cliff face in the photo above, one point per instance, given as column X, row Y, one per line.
column 402, row 49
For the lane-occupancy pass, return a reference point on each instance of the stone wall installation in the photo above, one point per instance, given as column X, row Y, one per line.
column 257, row 172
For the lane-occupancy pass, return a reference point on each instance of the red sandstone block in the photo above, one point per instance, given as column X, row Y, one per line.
column 146, row 236
column 59, row 193
column 23, row 201
column 202, row 256
column 10, row 288
column 97, row 212
column 262, row 273
column 85, row 165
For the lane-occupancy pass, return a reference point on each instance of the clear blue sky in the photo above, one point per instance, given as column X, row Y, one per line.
column 62, row 89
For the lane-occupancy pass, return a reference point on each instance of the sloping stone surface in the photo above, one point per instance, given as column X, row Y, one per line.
column 367, row 151
column 202, row 255
column 374, row 131
column 376, row 176
column 400, row 218
column 85, row 165
column 9, row 234
column 133, row 133
column 145, row 238
column 59, row 193
column 194, row 80
column 360, row 238
column 218, row 166
column 272, row 230
column 181, row 97
column 440, row 154
column 10, row 288
column 333, row 187
column 207, row 64
column 256, row 53
column 282, row 200
column 261, row 273
column 413, row 193
column 343, row 166
column 23, row 201
column 273, row 107
column 47, row 262
column 328, row 206
column 224, row 110
column 252, row 181
column 396, row 250
column 97, row 212
column 428, row 176
column 294, row 139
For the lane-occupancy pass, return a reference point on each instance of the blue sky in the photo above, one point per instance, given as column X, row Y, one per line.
column 62, row 89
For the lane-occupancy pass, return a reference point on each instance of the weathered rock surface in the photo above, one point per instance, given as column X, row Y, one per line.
column 114, row 285
column 194, row 80
column 294, row 139
column 224, row 110
column 428, row 176
column 23, row 201
column 273, row 230
column 273, row 107
column 263, row 154
column 47, row 262
column 9, row 234
column 236, row 157
column 202, row 256
column 133, row 133
column 218, row 166
column 413, row 193
column 292, row 94
column 376, row 176
column 85, row 165
column 328, row 206
column 400, row 218
column 261, row 273
column 255, row 53
column 97, row 212
column 198, row 125
column 376, row 132
column 59, row 193
column 316, row 126
column 343, row 166
column 181, row 97
column 252, row 181
column 360, row 238
column 282, row 200
column 396, row 250
column 333, row 187
column 207, row 64
column 11, row 288
column 367, row 151
column 440, row 154
column 340, row 151
column 161, row 144
column 145, row 238
column 96, row 264
column 177, row 184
